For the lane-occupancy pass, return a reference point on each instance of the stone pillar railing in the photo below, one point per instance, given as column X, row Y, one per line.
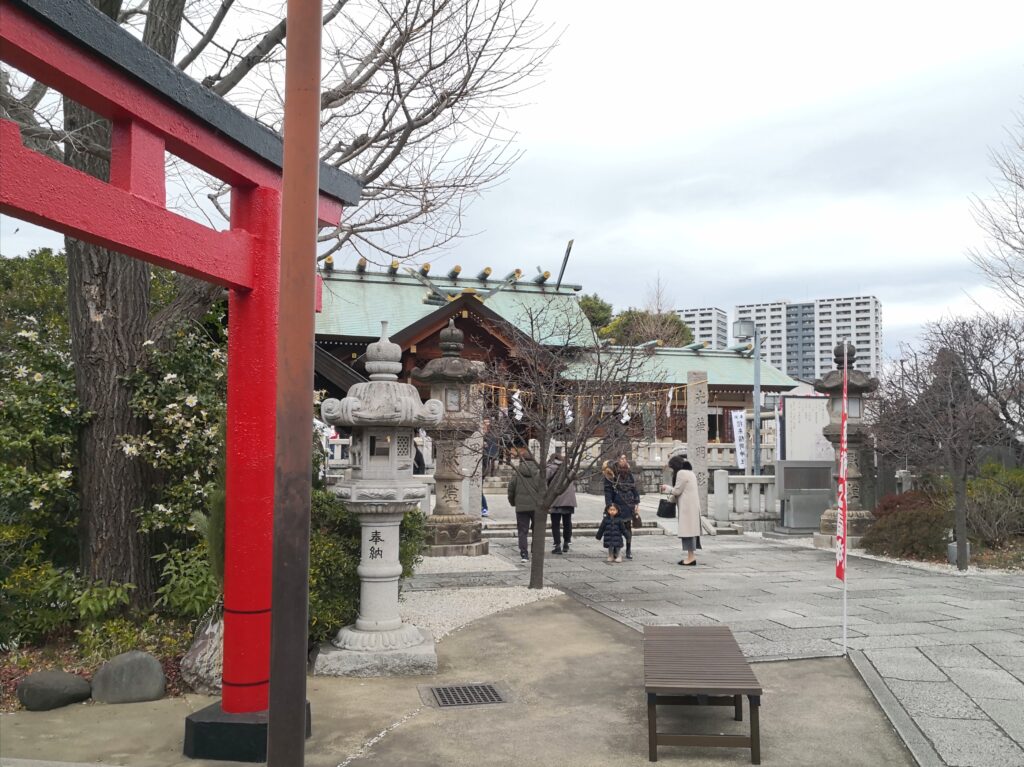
column 338, row 453
column 744, row 499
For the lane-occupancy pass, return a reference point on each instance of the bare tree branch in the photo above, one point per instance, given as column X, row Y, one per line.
column 208, row 36
column 259, row 52
column 1002, row 218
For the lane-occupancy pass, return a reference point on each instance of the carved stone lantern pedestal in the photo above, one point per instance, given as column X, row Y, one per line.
column 382, row 415
column 859, row 383
column 450, row 531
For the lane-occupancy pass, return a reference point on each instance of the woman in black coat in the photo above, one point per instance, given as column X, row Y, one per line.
column 620, row 490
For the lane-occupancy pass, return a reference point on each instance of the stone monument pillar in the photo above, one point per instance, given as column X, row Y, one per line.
column 471, row 460
column 450, row 531
column 697, row 431
column 382, row 415
column 859, row 383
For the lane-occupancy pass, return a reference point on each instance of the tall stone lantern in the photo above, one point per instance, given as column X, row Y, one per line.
column 859, row 383
column 450, row 531
column 381, row 415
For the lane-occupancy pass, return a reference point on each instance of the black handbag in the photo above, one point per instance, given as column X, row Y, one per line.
column 666, row 508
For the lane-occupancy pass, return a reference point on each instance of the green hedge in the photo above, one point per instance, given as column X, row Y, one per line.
column 917, row 532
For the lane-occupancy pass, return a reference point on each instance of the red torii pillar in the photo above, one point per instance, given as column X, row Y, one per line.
column 84, row 55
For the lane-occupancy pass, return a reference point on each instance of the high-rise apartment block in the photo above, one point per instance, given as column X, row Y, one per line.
column 799, row 337
column 708, row 324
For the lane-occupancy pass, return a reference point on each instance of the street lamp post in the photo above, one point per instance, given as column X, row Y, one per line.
column 743, row 330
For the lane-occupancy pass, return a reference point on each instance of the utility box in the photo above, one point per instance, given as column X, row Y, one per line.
column 805, row 492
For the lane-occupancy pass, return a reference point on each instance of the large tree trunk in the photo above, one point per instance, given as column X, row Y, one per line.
column 537, row 544
column 108, row 305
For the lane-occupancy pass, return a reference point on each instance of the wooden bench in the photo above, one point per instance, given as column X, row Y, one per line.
column 693, row 666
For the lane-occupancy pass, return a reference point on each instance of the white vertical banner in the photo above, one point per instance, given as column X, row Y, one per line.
column 624, row 414
column 567, row 411
column 668, row 403
column 739, row 431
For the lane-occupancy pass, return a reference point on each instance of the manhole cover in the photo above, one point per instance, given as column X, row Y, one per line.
column 466, row 695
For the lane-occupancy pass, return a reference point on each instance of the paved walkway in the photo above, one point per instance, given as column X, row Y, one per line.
column 943, row 653
column 573, row 680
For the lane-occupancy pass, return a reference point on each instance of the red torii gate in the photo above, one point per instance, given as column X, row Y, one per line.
column 154, row 107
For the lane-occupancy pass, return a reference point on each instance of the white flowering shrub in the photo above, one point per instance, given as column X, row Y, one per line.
column 38, row 418
column 181, row 392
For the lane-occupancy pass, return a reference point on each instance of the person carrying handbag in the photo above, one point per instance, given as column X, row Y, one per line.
column 684, row 490
column 620, row 490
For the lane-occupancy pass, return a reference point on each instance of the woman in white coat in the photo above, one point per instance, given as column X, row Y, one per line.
column 684, row 489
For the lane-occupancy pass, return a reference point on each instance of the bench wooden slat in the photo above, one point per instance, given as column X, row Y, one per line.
column 696, row 665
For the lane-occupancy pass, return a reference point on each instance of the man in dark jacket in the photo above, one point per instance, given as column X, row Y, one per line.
column 563, row 506
column 525, row 491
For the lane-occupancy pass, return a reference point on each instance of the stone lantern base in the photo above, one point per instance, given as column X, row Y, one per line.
column 455, row 535
column 418, row 659
column 858, row 522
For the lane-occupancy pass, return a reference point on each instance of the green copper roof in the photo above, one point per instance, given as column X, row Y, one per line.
column 724, row 368
column 354, row 304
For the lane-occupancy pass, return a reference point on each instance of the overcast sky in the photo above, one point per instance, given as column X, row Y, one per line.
column 761, row 151
column 752, row 151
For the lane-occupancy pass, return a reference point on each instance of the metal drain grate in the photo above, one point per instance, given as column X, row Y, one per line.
column 466, row 695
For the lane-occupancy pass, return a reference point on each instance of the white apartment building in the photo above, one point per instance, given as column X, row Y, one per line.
column 708, row 324
column 799, row 337
column 770, row 319
column 858, row 318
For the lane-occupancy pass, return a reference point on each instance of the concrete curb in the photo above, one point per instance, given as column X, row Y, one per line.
column 792, row 656
column 8, row 762
column 918, row 745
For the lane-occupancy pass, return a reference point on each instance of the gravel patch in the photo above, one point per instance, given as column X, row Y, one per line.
column 488, row 563
column 443, row 611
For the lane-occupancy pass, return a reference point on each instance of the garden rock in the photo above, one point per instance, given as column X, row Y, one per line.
column 45, row 690
column 202, row 665
column 128, row 678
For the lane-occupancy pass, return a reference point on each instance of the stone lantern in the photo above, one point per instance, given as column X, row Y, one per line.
column 450, row 531
column 381, row 415
column 859, row 383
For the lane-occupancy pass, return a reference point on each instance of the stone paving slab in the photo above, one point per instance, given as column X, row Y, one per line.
column 970, row 743
column 988, row 683
column 938, row 699
column 958, row 656
column 982, row 636
column 871, row 628
column 992, row 650
column 903, row 640
column 807, row 648
column 1012, row 664
column 947, row 648
column 907, row 664
column 1007, row 714
column 799, row 635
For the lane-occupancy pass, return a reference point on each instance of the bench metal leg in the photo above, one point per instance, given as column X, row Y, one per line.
column 755, row 730
column 738, row 703
column 652, row 727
